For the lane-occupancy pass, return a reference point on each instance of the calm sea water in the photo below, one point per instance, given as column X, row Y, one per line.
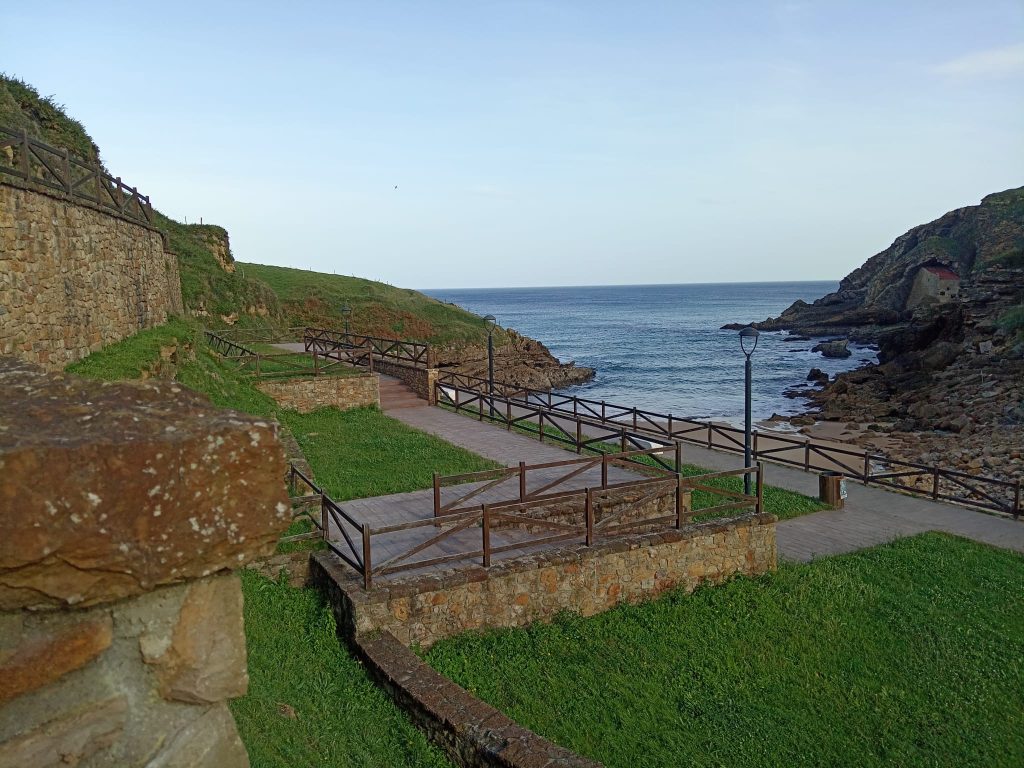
column 661, row 347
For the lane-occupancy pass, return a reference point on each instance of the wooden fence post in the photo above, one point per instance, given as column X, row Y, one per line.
column 325, row 521
column 508, row 415
column 935, row 482
column 67, row 172
column 437, row 494
column 26, row 167
column 679, row 502
column 622, row 440
column 487, row 534
column 679, row 458
column 604, row 470
column 579, row 436
column 522, row 481
column 588, row 512
column 807, row 456
column 367, row 564
column 867, row 467
column 760, row 487
column 99, row 183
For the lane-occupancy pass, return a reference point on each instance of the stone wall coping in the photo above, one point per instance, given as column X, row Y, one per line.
column 56, row 194
column 471, row 732
column 436, row 581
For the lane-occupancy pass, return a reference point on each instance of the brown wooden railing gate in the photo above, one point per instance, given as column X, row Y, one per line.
column 24, row 157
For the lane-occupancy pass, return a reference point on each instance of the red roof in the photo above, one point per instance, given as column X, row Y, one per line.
column 943, row 273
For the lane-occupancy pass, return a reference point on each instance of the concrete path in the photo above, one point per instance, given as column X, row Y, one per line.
column 871, row 516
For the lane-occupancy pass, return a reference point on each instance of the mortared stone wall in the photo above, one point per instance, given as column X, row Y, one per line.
column 125, row 510
column 74, row 278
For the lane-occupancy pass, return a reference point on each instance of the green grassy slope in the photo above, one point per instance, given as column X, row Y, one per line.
column 309, row 701
column 378, row 309
column 908, row 654
column 22, row 107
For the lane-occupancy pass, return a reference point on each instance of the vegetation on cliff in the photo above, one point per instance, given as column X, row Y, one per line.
column 378, row 309
column 22, row 107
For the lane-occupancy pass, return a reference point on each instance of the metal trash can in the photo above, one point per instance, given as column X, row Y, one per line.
column 832, row 489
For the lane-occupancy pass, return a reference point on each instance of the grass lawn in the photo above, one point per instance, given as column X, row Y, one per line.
column 910, row 653
column 310, row 703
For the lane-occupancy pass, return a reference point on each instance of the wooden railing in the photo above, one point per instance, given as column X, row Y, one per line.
column 270, row 365
column 491, row 479
column 24, row 157
column 404, row 352
column 358, row 544
column 582, row 424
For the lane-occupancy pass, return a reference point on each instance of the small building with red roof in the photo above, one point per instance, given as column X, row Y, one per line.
column 934, row 284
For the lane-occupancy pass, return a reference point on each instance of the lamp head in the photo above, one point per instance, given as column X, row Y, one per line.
column 748, row 336
column 490, row 320
column 346, row 310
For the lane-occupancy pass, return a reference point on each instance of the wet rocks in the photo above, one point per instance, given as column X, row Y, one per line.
column 838, row 348
column 818, row 376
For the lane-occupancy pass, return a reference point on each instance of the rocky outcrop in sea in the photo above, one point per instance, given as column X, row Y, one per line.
column 945, row 306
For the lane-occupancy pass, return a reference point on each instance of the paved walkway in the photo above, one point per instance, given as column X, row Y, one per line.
column 871, row 516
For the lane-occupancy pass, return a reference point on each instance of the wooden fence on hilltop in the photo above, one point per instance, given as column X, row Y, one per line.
column 36, row 162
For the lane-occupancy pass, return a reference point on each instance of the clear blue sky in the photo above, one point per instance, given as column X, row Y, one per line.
column 544, row 143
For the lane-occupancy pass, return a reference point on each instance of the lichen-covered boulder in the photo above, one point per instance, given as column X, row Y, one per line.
column 108, row 490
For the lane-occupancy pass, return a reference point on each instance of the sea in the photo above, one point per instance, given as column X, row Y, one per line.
column 661, row 347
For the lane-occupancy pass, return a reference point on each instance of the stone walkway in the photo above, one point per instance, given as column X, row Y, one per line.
column 871, row 516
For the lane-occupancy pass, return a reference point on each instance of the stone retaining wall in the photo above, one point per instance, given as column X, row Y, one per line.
column 419, row 380
column 307, row 394
column 121, row 523
column 471, row 732
column 587, row 580
column 74, row 279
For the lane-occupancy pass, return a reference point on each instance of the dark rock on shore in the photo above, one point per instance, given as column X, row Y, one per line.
column 522, row 361
column 818, row 376
column 837, row 349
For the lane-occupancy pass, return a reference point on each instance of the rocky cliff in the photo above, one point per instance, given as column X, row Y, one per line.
column 520, row 361
column 944, row 305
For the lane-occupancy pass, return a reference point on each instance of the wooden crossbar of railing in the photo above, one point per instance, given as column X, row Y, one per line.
column 269, row 365
column 488, row 480
column 402, row 351
column 584, row 424
column 27, row 158
column 576, row 520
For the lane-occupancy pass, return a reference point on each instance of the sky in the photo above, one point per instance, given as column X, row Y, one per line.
column 480, row 144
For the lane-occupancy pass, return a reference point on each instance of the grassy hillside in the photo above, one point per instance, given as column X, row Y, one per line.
column 313, row 298
column 254, row 295
column 23, row 108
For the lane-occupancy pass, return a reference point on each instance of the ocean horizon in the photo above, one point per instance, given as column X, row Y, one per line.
column 661, row 347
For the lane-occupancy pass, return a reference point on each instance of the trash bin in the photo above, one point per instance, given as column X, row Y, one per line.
column 832, row 489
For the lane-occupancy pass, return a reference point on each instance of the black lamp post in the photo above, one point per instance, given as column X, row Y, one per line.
column 747, row 336
column 346, row 312
column 490, row 320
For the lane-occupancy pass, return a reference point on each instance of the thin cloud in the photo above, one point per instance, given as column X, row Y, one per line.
column 995, row 62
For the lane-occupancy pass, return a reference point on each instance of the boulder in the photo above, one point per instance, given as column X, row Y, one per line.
column 109, row 490
column 818, row 376
column 837, row 348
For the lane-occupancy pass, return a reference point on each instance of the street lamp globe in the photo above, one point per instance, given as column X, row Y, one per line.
column 748, row 336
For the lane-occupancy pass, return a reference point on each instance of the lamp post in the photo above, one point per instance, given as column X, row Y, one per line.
column 346, row 312
column 747, row 336
column 491, row 321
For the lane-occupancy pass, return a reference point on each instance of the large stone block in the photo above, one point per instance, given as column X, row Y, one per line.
column 46, row 653
column 205, row 659
column 108, row 490
column 68, row 739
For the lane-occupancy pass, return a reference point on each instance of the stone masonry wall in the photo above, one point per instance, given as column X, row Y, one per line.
column 308, row 394
column 419, row 380
column 125, row 510
column 74, row 279
column 586, row 580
